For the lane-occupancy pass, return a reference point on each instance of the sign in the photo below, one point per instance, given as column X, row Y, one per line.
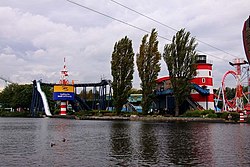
column 246, row 38
column 63, row 92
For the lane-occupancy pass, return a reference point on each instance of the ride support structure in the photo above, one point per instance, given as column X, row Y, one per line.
column 236, row 104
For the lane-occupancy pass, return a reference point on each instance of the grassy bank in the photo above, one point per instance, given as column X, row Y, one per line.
column 14, row 114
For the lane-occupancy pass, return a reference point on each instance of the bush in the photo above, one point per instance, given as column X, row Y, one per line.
column 14, row 114
column 207, row 112
column 198, row 113
column 223, row 115
column 211, row 115
column 195, row 113
column 235, row 116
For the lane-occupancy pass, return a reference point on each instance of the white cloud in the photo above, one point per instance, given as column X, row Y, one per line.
column 36, row 36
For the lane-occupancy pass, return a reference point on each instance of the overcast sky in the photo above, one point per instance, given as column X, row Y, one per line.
column 35, row 36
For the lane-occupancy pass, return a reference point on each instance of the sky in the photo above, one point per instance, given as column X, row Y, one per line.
column 35, row 36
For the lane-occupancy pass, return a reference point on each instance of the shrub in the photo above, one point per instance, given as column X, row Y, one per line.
column 223, row 115
column 14, row 114
column 198, row 113
column 207, row 112
column 212, row 115
column 235, row 116
column 194, row 113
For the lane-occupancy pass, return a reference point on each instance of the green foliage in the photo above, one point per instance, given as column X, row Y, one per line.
column 235, row 116
column 223, row 115
column 122, row 69
column 198, row 113
column 212, row 114
column 148, row 65
column 16, row 96
column 207, row 112
column 14, row 114
column 20, row 96
column 180, row 57
column 195, row 113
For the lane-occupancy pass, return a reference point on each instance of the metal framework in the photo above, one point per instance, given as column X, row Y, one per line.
column 102, row 95
column 235, row 104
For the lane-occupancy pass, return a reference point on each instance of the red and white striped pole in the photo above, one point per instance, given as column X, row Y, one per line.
column 242, row 117
column 64, row 81
column 63, row 108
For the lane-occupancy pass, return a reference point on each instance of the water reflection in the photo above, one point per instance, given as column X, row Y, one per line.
column 120, row 141
column 188, row 145
column 148, row 144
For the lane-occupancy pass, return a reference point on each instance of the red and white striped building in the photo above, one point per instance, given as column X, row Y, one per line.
column 203, row 89
column 203, row 78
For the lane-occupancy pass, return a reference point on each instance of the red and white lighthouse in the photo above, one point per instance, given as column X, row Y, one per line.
column 204, row 80
column 64, row 91
column 64, row 81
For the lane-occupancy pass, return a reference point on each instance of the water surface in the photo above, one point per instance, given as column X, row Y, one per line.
column 27, row 142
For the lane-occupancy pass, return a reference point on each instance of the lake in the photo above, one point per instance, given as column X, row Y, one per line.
column 27, row 142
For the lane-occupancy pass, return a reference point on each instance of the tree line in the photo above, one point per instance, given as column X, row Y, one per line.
column 179, row 56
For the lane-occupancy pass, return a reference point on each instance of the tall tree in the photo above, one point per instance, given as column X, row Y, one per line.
column 180, row 57
column 122, row 68
column 148, row 64
column 16, row 96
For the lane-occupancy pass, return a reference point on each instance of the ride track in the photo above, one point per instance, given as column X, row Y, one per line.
column 236, row 103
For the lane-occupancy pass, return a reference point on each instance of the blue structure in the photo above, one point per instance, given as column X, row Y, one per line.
column 165, row 102
column 102, row 95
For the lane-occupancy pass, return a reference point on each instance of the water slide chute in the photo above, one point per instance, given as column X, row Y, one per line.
column 44, row 99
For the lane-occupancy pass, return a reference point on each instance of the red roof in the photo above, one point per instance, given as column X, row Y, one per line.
column 163, row 79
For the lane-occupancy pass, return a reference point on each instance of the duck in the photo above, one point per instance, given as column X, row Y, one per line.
column 52, row 144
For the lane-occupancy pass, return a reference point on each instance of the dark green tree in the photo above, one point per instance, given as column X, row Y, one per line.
column 20, row 96
column 16, row 96
column 122, row 69
column 180, row 57
column 148, row 64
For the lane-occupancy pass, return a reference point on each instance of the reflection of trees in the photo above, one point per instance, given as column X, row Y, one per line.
column 188, row 144
column 121, row 142
column 148, row 143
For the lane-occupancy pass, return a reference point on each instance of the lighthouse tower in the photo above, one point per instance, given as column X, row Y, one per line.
column 204, row 96
column 64, row 91
column 64, row 81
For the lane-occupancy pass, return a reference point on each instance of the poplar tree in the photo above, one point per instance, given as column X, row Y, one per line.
column 180, row 57
column 122, row 69
column 148, row 64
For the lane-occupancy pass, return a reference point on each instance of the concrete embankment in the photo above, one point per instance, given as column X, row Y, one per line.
column 146, row 118
column 157, row 118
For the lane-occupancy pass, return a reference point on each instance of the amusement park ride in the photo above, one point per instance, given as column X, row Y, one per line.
column 239, row 74
column 66, row 93
column 237, row 103
column 202, row 95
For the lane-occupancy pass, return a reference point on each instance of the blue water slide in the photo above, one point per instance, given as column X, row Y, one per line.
column 200, row 90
